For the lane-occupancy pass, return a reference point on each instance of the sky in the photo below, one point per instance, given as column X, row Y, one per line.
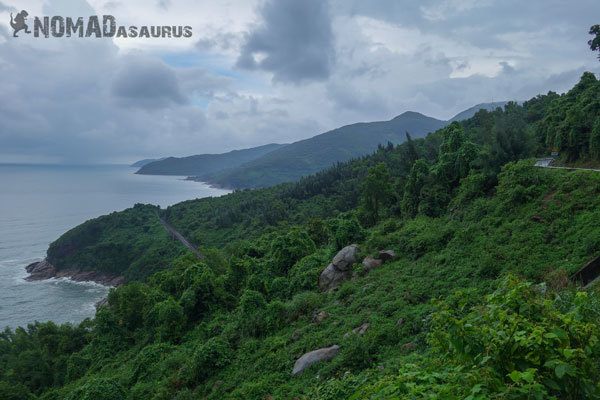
column 265, row 71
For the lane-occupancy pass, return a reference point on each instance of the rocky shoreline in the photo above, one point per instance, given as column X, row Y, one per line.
column 43, row 270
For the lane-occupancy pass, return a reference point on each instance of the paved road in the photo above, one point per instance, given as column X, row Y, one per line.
column 545, row 163
column 180, row 238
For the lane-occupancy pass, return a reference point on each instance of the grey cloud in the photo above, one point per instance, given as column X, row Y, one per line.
column 5, row 8
column 163, row 4
column 219, row 41
column 294, row 41
column 144, row 82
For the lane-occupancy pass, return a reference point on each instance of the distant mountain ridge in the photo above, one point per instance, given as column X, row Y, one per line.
column 205, row 163
column 319, row 152
column 290, row 162
column 470, row 112
column 141, row 163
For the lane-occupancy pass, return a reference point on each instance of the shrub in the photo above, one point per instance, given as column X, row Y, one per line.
column 97, row 389
column 289, row 248
column 525, row 342
column 168, row 320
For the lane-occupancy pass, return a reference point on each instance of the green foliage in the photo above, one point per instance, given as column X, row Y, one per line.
column 168, row 319
column 289, row 248
column 376, row 192
column 523, row 343
column 346, row 231
column 595, row 140
column 10, row 391
column 595, row 42
column 98, row 389
column 209, row 358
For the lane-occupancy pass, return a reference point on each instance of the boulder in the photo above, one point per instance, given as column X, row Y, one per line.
column 331, row 277
column 313, row 357
column 40, row 270
column 344, row 259
column 320, row 317
column 370, row 263
column 358, row 331
column 340, row 268
column 387, row 255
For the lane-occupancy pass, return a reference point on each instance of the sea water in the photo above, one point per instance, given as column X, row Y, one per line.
column 38, row 203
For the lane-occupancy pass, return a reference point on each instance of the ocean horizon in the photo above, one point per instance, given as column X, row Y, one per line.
column 40, row 202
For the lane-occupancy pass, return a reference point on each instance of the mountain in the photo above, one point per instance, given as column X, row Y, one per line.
column 319, row 152
column 141, row 163
column 473, row 110
column 205, row 163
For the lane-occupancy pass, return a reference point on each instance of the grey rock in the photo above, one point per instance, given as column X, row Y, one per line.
column 40, row 270
column 102, row 303
column 313, row 357
column 358, row 331
column 370, row 263
column 331, row 278
column 340, row 268
column 320, row 316
column 344, row 259
column 387, row 255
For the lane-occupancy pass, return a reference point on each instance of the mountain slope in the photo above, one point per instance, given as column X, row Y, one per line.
column 319, row 152
column 205, row 163
column 468, row 113
column 145, row 161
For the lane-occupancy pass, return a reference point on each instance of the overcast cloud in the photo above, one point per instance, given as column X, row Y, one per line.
column 257, row 72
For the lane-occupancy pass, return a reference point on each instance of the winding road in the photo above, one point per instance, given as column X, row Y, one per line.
column 178, row 236
column 546, row 163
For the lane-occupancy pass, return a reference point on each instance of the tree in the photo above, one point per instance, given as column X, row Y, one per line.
column 457, row 154
column 412, row 190
column 376, row 191
column 595, row 42
column 411, row 152
column 168, row 319
column 289, row 248
column 595, row 140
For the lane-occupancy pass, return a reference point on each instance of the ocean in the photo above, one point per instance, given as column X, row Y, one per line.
column 38, row 203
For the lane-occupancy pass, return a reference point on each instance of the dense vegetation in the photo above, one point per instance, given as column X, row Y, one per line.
column 478, row 304
column 205, row 163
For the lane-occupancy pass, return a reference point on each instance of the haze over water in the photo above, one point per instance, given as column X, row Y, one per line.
column 39, row 203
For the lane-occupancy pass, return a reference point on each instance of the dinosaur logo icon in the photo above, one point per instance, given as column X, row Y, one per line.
column 18, row 23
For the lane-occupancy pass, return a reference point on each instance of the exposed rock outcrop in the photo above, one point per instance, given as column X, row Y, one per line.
column 42, row 270
column 361, row 330
column 315, row 356
column 340, row 268
column 320, row 317
column 370, row 263
column 102, row 303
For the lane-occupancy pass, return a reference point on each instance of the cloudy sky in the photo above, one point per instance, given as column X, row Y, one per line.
column 258, row 71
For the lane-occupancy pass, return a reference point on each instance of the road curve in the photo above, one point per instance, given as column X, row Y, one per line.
column 178, row 236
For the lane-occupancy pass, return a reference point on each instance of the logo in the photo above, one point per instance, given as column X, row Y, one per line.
column 58, row 27
column 18, row 23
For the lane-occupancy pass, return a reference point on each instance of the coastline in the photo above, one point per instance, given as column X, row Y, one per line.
column 207, row 183
column 43, row 270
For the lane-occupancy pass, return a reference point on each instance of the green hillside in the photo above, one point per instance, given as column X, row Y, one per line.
column 319, row 152
column 475, row 304
column 205, row 163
